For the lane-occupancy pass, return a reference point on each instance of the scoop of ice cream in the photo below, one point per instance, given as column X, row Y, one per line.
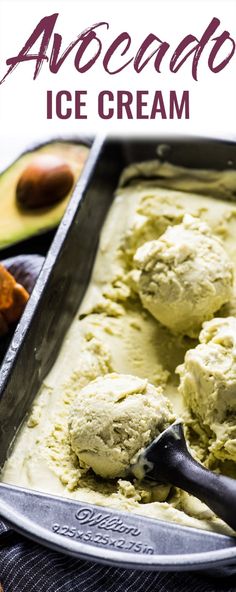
column 186, row 276
column 208, row 385
column 112, row 418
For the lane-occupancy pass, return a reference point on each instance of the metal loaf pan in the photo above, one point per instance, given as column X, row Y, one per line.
column 84, row 530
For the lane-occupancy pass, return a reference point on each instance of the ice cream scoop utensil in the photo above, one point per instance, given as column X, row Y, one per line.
column 168, row 460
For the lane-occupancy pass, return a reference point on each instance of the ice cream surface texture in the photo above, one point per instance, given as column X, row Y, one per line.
column 113, row 333
column 113, row 418
column 186, row 276
column 208, row 385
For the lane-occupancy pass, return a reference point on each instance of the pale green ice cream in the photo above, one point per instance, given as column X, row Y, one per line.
column 112, row 332
column 186, row 276
column 208, row 386
column 113, row 418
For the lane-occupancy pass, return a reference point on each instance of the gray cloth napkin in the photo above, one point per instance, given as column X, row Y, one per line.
column 28, row 567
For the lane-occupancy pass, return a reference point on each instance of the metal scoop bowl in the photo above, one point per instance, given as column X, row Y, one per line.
column 168, row 460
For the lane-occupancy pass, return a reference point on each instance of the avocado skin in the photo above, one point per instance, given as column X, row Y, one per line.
column 25, row 269
column 17, row 224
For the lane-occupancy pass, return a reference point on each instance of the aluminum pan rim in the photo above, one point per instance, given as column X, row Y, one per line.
column 88, row 552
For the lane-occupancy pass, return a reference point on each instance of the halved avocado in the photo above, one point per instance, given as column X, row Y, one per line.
column 17, row 224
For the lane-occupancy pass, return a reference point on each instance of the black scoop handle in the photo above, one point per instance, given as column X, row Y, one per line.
column 172, row 463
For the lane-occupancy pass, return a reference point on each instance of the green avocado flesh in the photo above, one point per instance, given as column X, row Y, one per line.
column 15, row 223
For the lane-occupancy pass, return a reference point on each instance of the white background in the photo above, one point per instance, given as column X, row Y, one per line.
column 23, row 101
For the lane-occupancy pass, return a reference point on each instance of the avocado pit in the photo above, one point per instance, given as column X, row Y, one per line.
column 45, row 181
